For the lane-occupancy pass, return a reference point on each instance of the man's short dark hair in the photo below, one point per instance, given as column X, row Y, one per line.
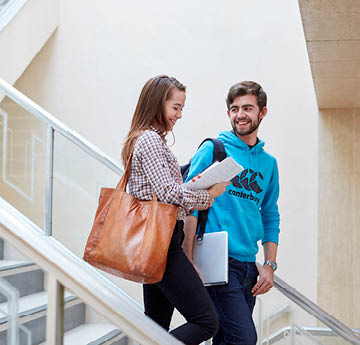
column 247, row 88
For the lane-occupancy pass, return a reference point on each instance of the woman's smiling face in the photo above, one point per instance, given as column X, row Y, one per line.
column 173, row 107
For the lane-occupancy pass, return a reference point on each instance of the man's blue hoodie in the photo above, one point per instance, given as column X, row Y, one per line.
column 248, row 209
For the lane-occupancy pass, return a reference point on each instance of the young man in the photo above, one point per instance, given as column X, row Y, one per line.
column 248, row 211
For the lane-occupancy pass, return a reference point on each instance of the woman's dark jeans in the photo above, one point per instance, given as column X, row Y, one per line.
column 181, row 288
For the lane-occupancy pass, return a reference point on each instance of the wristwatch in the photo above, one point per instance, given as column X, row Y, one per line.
column 272, row 264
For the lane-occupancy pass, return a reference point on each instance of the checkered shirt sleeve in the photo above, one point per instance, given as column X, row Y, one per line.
column 154, row 169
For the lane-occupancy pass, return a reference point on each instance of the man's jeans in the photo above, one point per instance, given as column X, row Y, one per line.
column 234, row 305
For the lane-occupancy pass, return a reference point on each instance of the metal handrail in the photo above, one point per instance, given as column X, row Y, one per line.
column 303, row 302
column 8, row 10
column 83, row 280
column 59, row 127
column 3, row 3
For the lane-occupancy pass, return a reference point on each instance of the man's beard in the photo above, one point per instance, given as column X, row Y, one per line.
column 254, row 125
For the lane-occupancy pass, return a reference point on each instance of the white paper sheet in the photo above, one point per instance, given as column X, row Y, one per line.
column 217, row 172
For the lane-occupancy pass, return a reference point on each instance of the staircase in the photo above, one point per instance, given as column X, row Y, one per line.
column 29, row 280
column 52, row 232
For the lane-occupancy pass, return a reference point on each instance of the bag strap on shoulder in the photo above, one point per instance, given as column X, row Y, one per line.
column 126, row 175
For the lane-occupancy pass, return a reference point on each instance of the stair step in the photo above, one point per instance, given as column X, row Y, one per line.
column 28, row 281
column 91, row 334
column 33, row 310
column 31, row 304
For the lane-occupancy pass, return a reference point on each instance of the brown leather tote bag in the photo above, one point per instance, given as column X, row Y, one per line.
column 130, row 238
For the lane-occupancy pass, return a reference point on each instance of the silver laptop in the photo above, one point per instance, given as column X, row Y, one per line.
column 211, row 257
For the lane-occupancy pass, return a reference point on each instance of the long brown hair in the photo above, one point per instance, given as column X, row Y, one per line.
column 150, row 109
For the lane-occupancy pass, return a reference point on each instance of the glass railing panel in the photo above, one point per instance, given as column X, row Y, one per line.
column 78, row 178
column 271, row 313
column 99, row 323
column 274, row 312
column 22, row 160
column 280, row 321
column 296, row 335
column 326, row 336
column 299, row 335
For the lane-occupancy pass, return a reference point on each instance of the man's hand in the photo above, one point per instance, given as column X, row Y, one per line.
column 190, row 225
column 197, row 271
column 217, row 189
column 265, row 282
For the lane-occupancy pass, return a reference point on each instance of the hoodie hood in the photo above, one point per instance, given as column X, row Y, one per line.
column 232, row 139
column 236, row 147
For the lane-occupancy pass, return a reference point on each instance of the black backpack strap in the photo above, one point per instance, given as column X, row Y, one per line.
column 219, row 154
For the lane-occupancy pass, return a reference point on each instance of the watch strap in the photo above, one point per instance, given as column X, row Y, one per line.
column 272, row 264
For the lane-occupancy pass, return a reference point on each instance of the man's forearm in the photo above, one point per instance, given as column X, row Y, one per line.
column 270, row 250
column 190, row 224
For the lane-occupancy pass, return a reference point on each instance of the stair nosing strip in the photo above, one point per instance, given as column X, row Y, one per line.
column 121, row 336
column 21, row 268
column 106, row 337
column 13, row 266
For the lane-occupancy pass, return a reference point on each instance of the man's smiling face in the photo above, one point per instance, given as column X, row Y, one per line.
column 245, row 115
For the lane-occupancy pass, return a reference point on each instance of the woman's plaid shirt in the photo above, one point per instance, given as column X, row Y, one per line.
column 154, row 169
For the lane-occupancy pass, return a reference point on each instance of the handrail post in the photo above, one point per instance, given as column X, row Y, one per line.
column 12, row 296
column 55, row 312
column 293, row 331
column 49, row 180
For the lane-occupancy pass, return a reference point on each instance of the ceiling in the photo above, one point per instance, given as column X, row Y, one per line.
column 332, row 33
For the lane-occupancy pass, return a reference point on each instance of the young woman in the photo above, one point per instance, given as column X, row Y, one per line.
column 154, row 169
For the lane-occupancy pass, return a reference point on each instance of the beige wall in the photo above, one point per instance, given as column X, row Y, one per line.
column 91, row 71
column 339, row 217
column 23, row 37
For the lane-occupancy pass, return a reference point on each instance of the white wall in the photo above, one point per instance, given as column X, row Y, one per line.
column 91, row 71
